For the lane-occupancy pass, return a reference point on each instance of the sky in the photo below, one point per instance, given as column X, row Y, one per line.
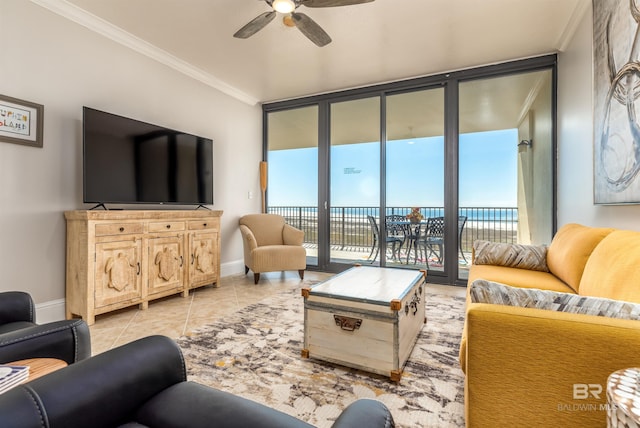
column 415, row 173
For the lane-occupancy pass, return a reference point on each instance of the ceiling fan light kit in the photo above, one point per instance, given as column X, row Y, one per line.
column 288, row 21
column 283, row 6
column 306, row 25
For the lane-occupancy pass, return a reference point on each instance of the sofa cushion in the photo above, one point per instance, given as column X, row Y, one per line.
column 570, row 249
column 613, row 270
column 482, row 291
column 518, row 277
column 532, row 257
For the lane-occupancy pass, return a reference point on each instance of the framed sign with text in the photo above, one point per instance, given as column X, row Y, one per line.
column 21, row 122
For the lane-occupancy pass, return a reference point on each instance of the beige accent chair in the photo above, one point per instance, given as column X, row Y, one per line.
column 271, row 245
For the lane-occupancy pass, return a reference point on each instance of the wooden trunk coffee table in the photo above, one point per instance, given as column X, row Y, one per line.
column 366, row 318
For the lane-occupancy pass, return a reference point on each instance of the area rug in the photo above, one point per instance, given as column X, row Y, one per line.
column 256, row 354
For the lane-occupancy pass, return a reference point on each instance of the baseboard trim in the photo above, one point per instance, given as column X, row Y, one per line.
column 54, row 310
column 232, row 268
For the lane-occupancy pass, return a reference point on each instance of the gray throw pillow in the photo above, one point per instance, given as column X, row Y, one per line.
column 483, row 291
column 531, row 257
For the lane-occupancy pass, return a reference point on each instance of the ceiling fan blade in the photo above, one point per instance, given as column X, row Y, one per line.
column 332, row 3
column 255, row 25
column 309, row 28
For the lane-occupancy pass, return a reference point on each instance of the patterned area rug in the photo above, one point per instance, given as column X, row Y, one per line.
column 256, row 354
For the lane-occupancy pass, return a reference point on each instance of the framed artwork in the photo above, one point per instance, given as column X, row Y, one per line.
column 21, row 122
column 616, row 53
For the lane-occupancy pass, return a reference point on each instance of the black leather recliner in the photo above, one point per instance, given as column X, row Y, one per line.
column 21, row 337
column 143, row 384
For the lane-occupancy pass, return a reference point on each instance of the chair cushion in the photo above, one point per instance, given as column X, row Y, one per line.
column 532, row 257
column 612, row 270
column 273, row 258
column 267, row 228
column 570, row 249
column 482, row 291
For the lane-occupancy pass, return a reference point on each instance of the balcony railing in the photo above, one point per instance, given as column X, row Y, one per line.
column 350, row 229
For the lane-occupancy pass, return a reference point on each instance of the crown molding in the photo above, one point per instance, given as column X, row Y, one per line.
column 572, row 25
column 118, row 35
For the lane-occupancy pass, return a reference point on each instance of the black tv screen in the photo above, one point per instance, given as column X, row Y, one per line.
column 132, row 162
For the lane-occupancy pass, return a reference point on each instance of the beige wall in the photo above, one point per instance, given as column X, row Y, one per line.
column 575, row 139
column 52, row 61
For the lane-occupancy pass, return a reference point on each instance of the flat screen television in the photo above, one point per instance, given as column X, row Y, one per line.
column 126, row 161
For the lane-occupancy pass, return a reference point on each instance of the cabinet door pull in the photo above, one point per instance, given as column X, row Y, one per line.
column 181, row 261
column 205, row 224
column 139, row 270
column 121, row 229
column 168, row 226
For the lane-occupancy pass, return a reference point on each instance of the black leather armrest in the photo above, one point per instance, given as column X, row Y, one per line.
column 99, row 392
column 365, row 413
column 16, row 306
column 67, row 340
column 209, row 407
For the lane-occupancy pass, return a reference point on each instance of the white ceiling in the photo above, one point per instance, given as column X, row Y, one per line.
column 377, row 42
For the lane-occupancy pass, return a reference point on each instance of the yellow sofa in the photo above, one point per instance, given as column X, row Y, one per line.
column 529, row 367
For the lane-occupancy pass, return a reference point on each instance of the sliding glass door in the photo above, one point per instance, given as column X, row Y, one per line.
column 292, row 185
column 354, row 180
column 414, row 172
column 472, row 153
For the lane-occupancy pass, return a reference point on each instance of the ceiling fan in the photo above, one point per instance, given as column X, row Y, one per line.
column 306, row 25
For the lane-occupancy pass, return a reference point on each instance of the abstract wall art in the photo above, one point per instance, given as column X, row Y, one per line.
column 616, row 142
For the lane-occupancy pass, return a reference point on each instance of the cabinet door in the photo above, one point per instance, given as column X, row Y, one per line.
column 203, row 266
column 118, row 272
column 166, row 261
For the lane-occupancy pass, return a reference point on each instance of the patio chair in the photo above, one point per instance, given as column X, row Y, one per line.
column 397, row 228
column 434, row 238
column 412, row 234
column 462, row 220
column 395, row 241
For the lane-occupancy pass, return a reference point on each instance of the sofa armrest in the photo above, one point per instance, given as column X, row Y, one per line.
column 531, row 367
column 102, row 391
column 292, row 236
column 16, row 306
column 365, row 413
column 67, row 340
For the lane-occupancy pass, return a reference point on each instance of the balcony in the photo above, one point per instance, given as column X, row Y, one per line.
column 351, row 236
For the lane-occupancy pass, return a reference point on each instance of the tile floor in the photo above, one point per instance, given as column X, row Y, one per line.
column 176, row 316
